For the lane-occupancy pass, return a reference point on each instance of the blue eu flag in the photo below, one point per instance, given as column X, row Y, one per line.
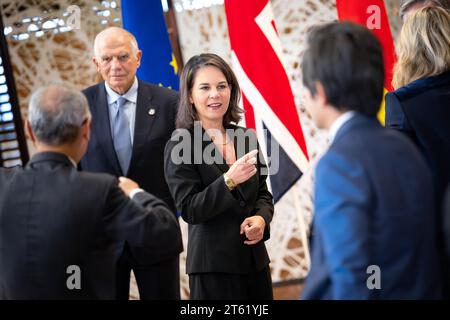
column 145, row 20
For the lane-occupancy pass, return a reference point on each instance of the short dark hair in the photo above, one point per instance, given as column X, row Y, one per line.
column 348, row 61
column 186, row 111
column 406, row 4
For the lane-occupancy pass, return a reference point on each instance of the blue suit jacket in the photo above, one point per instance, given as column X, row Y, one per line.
column 373, row 206
column 421, row 110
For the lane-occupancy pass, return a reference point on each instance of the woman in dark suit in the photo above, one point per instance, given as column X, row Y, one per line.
column 420, row 107
column 219, row 186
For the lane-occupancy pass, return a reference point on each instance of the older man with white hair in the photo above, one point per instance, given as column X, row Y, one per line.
column 132, row 121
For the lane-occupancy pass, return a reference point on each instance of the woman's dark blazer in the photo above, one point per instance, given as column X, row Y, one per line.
column 214, row 213
column 421, row 110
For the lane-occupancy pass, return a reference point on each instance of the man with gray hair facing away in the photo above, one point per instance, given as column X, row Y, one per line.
column 60, row 229
column 408, row 6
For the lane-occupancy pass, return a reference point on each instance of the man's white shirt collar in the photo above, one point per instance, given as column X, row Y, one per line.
column 73, row 161
column 130, row 95
column 338, row 123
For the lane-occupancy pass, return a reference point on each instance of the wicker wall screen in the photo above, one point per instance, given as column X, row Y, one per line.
column 56, row 55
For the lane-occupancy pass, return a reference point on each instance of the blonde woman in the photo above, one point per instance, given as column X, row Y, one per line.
column 420, row 106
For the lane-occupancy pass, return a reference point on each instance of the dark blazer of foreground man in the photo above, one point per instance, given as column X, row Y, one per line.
column 59, row 239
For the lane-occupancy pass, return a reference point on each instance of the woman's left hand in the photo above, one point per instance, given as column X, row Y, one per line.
column 253, row 227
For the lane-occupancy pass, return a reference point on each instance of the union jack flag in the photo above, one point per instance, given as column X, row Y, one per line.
column 257, row 60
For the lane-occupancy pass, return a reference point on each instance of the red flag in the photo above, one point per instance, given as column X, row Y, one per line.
column 372, row 15
column 268, row 99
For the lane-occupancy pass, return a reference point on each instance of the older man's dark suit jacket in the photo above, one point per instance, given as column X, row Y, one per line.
column 156, row 109
column 213, row 212
column 155, row 121
column 53, row 216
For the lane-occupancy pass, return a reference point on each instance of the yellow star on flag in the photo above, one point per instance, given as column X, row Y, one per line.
column 174, row 64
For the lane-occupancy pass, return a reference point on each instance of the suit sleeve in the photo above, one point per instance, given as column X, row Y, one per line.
column 342, row 207
column 395, row 116
column 144, row 221
column 196, row 203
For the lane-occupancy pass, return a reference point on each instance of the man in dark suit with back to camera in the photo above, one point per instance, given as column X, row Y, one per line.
column 61, row 230
column 132, row 121
column 374, row 231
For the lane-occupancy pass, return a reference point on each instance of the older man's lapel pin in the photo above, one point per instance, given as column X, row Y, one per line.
column 151, row 111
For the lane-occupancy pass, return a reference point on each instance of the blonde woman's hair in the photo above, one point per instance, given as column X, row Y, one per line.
column 424, row 46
